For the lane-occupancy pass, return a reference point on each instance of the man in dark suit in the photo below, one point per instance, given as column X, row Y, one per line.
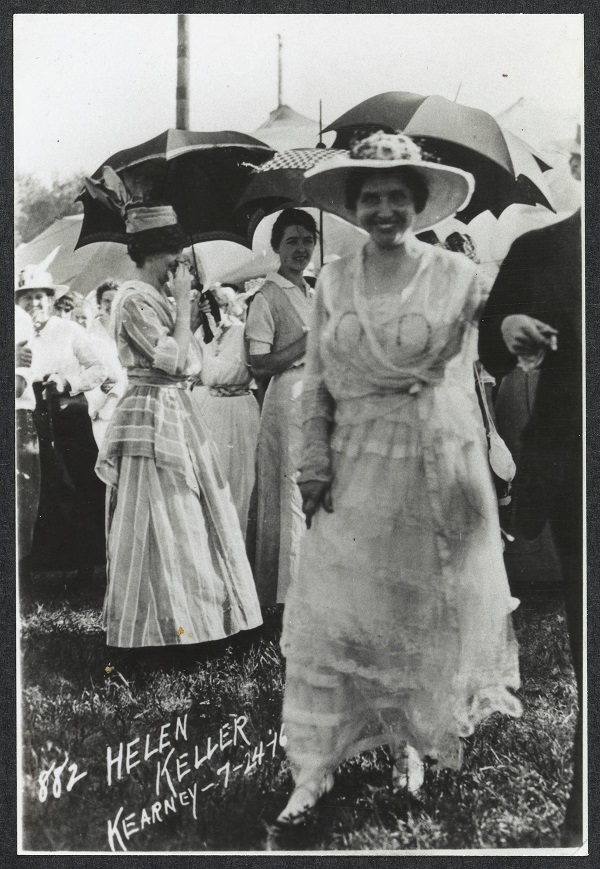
column 534, row 313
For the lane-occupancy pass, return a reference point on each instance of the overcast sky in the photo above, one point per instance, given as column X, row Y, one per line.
column 86, row 86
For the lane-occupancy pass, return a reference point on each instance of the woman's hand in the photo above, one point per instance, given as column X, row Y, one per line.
column 524, row 335
column 199, row 305
column 269, row 364
column 107, row 385
column 181, row 285
column 315, row 493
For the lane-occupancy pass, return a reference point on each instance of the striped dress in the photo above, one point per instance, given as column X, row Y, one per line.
column 177, row 568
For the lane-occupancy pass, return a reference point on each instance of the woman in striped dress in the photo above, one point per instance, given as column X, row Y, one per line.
column 177, row 568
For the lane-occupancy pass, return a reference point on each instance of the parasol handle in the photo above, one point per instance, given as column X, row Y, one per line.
column 320, row 122
column 321, row 242
column 204, row 322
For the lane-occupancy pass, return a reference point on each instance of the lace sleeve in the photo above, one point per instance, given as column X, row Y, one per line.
column 317, row 403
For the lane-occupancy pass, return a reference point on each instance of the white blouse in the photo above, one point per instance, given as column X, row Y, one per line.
column 63, row 347
column 260, row 325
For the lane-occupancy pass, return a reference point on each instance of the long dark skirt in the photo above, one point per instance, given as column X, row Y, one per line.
column 28, row 480
column 69, row 533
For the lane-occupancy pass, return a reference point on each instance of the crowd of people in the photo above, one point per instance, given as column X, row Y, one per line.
column 317, row 448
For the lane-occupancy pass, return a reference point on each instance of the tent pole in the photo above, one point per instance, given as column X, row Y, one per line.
column 279, row 72
column 321, row 243
column 182, row 98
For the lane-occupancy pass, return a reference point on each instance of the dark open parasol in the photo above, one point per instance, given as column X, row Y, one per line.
column 202, row 175
column 505, row 168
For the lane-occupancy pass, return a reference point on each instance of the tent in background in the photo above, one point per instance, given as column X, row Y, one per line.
column 285, row 128
column 256, row 267
column 545, row 131
column 81, row 269
column 214, row 256
column 84, row 269
column 549, row 133
column 566, row 191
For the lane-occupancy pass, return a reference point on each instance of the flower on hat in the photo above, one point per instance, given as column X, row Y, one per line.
column 34, row 277
column 449, row 188
column 386, row 146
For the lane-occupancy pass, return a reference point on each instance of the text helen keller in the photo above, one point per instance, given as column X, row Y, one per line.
column 174, row 791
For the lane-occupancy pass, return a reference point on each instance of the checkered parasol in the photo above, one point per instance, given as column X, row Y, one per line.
column 297, row 158
column 279, row 183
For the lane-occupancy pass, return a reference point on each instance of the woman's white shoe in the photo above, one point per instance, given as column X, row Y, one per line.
column 303, row 800
column 408, row 771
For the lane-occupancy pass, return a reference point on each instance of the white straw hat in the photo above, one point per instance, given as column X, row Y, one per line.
column 36, row 278
column 449, row 189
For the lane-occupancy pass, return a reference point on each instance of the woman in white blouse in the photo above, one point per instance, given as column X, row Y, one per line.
column 103, row 400
column 276, row 330
column 227, row 404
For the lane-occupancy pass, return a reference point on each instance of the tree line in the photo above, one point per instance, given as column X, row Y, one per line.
column 38, row 205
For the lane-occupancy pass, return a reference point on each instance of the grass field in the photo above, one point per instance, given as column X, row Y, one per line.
column 511, row 792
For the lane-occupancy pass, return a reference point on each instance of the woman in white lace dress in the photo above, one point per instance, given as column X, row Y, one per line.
column 397, row 630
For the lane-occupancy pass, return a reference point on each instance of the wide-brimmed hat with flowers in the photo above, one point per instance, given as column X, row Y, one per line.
column 449, row 189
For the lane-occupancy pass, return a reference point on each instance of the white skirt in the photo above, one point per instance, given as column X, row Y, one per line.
column 397, row 629
column 233, row 423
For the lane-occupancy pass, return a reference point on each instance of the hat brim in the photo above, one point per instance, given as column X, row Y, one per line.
column 50, row 289
column 449, row 189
